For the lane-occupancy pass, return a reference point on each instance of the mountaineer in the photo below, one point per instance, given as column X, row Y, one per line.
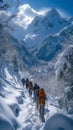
column 42, row 98
column 30, row 86
column 23, row 81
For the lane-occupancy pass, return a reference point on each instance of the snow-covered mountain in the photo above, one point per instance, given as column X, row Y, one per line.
column 53, row 44
column 24, row 16
column 42, row 26
column 38, row 29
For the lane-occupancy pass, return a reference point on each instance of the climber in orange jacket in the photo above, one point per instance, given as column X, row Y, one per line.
column 42, row 98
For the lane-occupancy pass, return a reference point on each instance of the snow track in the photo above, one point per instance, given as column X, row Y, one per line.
column 18, row 110
column 29, row 115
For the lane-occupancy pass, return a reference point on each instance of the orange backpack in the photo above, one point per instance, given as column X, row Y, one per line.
column 41, row 96
column 41, row 93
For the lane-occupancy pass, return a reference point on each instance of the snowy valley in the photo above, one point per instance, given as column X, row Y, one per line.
column 42, row 51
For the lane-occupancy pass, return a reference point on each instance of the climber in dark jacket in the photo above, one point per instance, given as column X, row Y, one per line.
column 36, row 92
column 23, row 81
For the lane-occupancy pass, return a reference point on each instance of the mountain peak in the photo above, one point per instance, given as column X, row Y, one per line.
column 53, row 12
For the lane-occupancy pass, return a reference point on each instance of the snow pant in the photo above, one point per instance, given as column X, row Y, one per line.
column 26, row 86
column 23, row 84
column 41, row 110
column 30, row 92
column 36, row 100
column 35, row 96
column 37, row 103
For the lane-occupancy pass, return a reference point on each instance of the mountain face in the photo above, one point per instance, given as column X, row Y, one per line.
column 53, row 44
column 47, row 33
column 14, row 53
column 42, row 26
column 48, row 49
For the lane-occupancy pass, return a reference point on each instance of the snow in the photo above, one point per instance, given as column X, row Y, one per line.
column 7, row 119
column 8, row 102
column 26, row 14
column 5, row 124
column 59, row 122
column 28, row 109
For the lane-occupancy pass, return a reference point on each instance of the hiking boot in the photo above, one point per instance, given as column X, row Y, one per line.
column 43, row 120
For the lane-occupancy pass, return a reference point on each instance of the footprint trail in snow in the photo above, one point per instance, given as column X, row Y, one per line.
column 29, row 115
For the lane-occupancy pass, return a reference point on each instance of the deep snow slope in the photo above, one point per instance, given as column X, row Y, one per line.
column 8, row 102
column 59, row 122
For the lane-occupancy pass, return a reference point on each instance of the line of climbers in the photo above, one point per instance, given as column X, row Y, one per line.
column 39, row 96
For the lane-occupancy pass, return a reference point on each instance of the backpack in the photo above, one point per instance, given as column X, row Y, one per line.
column 41, row 93
column 30, row 85
column 41, row 96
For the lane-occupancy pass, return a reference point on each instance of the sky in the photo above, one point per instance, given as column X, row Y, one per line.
column 66, row 6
